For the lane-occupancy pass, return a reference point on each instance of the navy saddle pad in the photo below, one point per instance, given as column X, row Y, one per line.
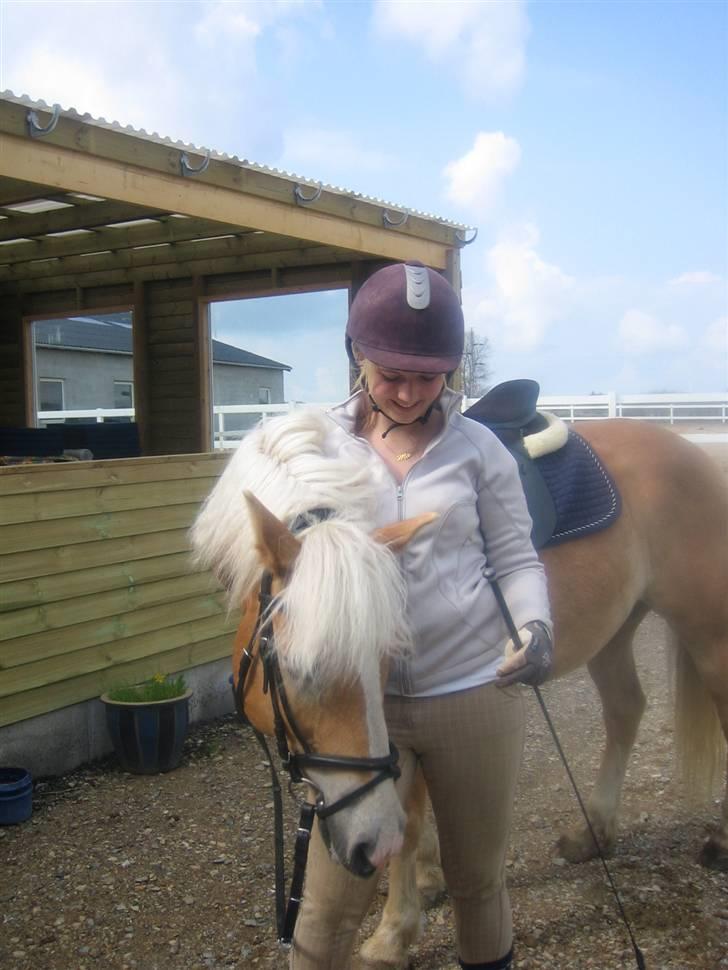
column 569, row 492
column 584, row 495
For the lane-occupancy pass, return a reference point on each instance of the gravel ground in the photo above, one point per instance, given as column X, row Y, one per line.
column 174, row 872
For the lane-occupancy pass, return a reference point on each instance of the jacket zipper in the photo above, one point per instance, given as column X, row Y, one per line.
column 402, row 674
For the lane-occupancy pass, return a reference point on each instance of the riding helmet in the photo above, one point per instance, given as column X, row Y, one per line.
column 407, row 317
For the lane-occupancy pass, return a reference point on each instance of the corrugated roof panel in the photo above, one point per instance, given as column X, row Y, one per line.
column 223, row 156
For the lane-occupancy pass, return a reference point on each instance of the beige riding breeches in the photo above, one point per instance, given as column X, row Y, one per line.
column 469, row 745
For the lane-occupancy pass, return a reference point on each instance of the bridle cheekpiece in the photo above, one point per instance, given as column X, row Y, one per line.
column 298, row 759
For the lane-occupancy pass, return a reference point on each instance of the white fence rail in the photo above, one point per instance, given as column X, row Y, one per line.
column 665, row 408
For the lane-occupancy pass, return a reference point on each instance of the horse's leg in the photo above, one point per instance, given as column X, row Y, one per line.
column 401, row 922
column 623, row 702
column 430, row 880
column 714, row 853
column 702, row 677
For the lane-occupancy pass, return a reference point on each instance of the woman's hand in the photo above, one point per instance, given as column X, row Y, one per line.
column 531, row 662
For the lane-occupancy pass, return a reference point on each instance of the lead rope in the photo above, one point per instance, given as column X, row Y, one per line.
column 513, row 633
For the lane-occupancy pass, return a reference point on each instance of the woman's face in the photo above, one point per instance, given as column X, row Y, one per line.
column 404, row 396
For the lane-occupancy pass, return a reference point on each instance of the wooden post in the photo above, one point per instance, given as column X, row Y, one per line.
column 140, row 362
column 453, row 275
column 201, row 331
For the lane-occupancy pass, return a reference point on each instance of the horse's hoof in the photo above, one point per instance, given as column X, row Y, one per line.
column 388, row 947
column 581, row 847
column 364, row 963
column 714, row 855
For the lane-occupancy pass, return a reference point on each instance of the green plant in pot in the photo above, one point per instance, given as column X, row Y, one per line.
column 148, row 723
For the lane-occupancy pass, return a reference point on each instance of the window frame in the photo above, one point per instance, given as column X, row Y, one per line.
column 130, row 385
column 52, row 380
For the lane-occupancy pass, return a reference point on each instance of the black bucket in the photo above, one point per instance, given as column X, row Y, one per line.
column 16, row 795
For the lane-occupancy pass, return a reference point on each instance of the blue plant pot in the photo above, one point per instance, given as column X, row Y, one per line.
column 148, row 738
column 16, row 795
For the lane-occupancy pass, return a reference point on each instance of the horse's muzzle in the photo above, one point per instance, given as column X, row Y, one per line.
column 359, row 864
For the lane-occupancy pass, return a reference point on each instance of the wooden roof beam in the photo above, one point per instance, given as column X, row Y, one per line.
column 98, row 141
column 20, row 226
column 211, row 266
column 156, row 255
column 16, row 192
column 74, row 171
column 166, row 230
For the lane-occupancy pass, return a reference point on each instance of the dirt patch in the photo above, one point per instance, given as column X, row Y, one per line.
column 174, row 872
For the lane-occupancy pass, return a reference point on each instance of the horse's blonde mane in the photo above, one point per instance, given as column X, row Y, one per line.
column 345, row 596
column 344, row 605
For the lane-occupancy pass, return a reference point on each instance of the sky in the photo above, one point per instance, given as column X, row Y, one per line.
column 586, row 141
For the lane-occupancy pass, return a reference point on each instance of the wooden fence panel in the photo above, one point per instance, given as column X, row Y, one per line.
column 97, row 586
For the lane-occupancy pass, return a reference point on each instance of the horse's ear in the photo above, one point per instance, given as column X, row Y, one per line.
column 398, row 534
column 277, row 546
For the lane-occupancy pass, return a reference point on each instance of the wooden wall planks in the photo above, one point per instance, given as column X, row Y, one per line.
column 96, row 583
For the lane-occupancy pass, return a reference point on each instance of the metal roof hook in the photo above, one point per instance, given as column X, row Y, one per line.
column 461, row 239
column 302, row 199
column 35, row 129
column 391, row 223
column 187, row 169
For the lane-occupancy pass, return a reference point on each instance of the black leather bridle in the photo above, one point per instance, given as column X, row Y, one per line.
column 296, row 760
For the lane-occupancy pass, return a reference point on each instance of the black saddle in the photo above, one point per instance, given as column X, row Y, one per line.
column 569, row 492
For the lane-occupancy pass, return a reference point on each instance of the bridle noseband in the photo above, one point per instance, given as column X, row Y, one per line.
column 297, row 760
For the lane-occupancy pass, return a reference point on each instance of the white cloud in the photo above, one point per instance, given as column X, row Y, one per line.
column 696, row 278
column 184, row 70
column 335, row 155
column 80, row 83
column 483, row 42
column 476, row 180
column 234, row 26
column 526, row 294
column 640, row 333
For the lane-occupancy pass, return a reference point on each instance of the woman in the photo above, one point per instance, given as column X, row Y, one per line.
column 451, row 707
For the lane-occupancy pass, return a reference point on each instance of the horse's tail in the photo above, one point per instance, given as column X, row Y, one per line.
column 699, row 742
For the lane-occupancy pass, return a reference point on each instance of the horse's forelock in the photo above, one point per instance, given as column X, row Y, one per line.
column 344, row 605
column 283, row 462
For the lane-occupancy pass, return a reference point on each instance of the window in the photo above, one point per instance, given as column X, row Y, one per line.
column 87, row 365
column 123, row 394
column 50, row 394
column 263, row 395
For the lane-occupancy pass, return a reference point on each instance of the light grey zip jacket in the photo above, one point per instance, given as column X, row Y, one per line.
column 472, row 482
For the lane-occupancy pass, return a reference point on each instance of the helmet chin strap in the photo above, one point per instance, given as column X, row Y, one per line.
column 423, row 419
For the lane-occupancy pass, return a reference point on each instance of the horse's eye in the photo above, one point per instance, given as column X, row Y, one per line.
column 305, row 684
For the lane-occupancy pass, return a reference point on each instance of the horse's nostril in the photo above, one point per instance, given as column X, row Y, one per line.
column 360, row 863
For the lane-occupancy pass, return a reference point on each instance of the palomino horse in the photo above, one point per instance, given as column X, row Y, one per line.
column 667, row 552
column 337, row 612
column 340, row 617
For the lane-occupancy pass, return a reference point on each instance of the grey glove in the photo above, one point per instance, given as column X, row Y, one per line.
column 531, row 663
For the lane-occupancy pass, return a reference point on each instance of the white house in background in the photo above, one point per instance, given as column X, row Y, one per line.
column 87, row 362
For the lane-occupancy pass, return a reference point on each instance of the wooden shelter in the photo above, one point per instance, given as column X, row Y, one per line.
column 94, row 580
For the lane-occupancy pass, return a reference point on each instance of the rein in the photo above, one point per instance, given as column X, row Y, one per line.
column 295, row 761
